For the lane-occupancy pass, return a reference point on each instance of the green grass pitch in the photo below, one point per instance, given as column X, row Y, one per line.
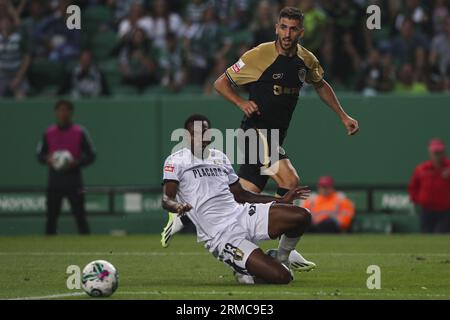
column 412, row 267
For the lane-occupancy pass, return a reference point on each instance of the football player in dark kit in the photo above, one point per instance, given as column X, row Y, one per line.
column 66, row 180
column 273, row 73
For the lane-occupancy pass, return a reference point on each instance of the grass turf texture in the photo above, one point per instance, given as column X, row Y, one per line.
column 412, row 267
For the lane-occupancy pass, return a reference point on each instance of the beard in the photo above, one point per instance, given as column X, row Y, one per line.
column 289, row 45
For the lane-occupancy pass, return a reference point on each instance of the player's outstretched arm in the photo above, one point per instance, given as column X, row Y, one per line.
column 169, row 201
column 242, row 195
column 326, row 93
column 224, row 88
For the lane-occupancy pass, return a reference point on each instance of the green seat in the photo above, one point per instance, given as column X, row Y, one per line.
column 237, row 40
column 192, row 89
column 158, row 89
column 102, row 44
column 93, row 17
column 70, row 65
column 44, row 73
column 155, row 90
column 111, row 71
column 123, row 90
column 241, row 37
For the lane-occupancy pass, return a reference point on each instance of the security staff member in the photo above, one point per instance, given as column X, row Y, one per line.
column 429, row 189
column 65, row 182
column 331, row 211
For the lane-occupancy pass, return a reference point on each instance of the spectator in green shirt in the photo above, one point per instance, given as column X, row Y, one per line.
column 314, row 23
column 171, row 63
column 263, row 22
column 34, row 26
column 406, row 82
column 206, row 44
column 14, row 60
column 137, row 61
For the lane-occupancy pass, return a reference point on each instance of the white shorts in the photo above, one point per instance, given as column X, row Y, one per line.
column 237, row 241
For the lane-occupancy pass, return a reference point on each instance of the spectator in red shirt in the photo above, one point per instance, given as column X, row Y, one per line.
column 429, row 189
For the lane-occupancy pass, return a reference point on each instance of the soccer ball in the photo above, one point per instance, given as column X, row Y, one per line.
column 100, row 278
column 60, row 159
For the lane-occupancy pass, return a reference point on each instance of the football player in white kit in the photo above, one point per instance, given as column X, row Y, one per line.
column 201, row 183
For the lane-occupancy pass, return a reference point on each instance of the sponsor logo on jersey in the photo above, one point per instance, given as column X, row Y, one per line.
column 169, row 168
column 279, row 90
column 208, row 172
column 238, row 66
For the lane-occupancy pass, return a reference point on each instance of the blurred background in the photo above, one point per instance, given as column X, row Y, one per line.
column 137, row 69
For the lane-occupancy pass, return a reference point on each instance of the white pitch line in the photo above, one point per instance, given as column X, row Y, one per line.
column 228, row 293
column 299, row 293
column 52, row 296
column 87, row 253
column 103, row 253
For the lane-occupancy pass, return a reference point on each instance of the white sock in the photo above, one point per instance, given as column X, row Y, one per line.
column 285, row 246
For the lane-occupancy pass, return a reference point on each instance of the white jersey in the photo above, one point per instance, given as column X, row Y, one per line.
column 204, row 184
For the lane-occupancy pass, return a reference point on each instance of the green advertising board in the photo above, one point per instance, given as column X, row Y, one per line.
column 35, row 203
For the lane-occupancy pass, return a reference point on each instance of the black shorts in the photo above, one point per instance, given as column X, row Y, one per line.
column 260, row 155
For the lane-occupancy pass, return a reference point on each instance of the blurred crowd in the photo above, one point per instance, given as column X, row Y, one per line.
column 144, row 46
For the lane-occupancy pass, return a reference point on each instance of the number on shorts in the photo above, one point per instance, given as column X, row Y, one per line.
column 252, row 210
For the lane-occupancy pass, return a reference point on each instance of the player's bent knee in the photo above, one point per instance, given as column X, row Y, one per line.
column 282, row 277
column 304, row 217
column 266, row 269
column 307, row 215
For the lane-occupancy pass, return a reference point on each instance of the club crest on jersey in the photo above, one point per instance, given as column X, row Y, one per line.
column 238, row 66
column 277, row 76
column 235, row 252
column 238, row 254
column 302, row 74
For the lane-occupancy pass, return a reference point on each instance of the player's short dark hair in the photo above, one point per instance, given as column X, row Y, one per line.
column 196, row 117
column 292, row 13
column 63, row 102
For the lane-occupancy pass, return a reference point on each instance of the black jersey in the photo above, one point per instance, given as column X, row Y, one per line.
column 274, row 82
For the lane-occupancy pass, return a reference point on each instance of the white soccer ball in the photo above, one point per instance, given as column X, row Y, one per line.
column 61, row 159
column 100, row 278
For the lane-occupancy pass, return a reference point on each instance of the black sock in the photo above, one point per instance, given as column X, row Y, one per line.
column 185, row 220
column 282, row 191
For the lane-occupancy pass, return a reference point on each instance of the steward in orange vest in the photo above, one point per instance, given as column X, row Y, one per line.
column 331, row 211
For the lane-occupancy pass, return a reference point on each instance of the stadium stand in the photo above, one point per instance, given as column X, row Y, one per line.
column 366, row 62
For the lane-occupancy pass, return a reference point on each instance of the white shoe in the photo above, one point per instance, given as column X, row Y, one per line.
column 174, row 225
column 298, row 263
column 244, row 278
column 296, row 260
